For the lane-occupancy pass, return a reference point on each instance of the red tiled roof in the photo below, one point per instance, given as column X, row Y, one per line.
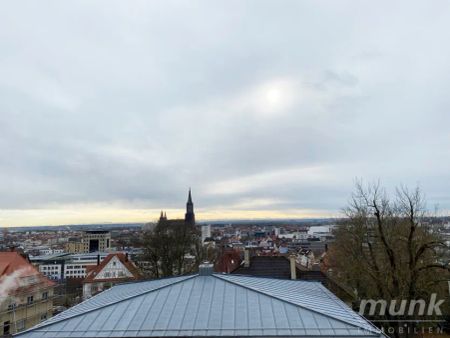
column 12, row 263
column 93, row 271
column 229, row 261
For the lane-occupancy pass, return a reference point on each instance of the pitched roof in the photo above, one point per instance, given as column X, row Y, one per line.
column 11, row 262
column 267, row 266
column 93, row 271
column 13, row 266
column 210, row 306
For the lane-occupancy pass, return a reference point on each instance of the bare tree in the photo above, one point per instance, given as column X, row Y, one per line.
column 386, row 249
column 167, row 245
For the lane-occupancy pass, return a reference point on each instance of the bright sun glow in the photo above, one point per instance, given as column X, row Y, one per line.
column 274, row 96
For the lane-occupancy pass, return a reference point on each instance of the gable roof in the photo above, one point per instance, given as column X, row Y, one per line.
column 267, row 266
column 213, row 305
column 14, row 265
column 93, row 271
column 12, row 261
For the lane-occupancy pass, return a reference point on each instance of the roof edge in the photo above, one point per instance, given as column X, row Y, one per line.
column 376, row 330
column 108, row 304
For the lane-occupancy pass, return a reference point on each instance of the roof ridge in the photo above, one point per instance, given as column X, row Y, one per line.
column 290, row 302
column 108, row 304
column 340, row 303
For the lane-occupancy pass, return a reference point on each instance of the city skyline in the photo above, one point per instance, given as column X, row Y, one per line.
column 267, row 110
column 74, row 217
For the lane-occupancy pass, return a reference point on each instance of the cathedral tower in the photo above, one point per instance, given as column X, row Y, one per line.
column 189, row 217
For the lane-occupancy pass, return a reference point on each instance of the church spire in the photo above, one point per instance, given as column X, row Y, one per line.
column 163, row 216
column 189, row 217
column 190, row 197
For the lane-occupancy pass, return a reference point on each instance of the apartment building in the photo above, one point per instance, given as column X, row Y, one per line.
column 26, row 296
column 62, row 266
column 91, row 241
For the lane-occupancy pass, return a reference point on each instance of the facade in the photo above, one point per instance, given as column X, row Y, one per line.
column 206, row 232
column 61, row 266
column 91, row 241
column 52, row 271
column 74, row 247
column 96, row 240
column 26, row 296
column 210, row 305
column 115, row 268
column 299, row 234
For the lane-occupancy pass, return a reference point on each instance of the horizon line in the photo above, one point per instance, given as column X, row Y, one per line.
column 200, row 221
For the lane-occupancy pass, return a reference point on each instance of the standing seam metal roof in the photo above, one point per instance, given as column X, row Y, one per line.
column 214, row 305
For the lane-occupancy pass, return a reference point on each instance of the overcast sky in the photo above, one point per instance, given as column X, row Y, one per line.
column 110, row 111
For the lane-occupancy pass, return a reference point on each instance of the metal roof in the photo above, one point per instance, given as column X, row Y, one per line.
column 210, row 306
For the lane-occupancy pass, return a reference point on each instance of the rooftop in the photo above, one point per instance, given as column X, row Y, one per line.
column 209, row 305
column 92, row 272
column 266, row 266
column 14, row 267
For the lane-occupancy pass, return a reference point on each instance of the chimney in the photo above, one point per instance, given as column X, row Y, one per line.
column 293, row 267
column 246, row 258
column 205, row 269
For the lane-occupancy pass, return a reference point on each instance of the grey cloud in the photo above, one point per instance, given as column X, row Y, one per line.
column 134, row 102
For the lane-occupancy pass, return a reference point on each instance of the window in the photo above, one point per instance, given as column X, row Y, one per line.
column 43, row 316
column 11, row 306
column 6, row 327
column 30, row 300
column 20, row 325
column 45, row 295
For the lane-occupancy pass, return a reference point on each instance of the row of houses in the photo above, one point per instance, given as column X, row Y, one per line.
column 27, row 294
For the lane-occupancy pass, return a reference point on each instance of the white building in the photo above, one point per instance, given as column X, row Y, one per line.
column 115, row 268
column 62, row 266
column 295, row 235
column 51, row 271
column 206, row 232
